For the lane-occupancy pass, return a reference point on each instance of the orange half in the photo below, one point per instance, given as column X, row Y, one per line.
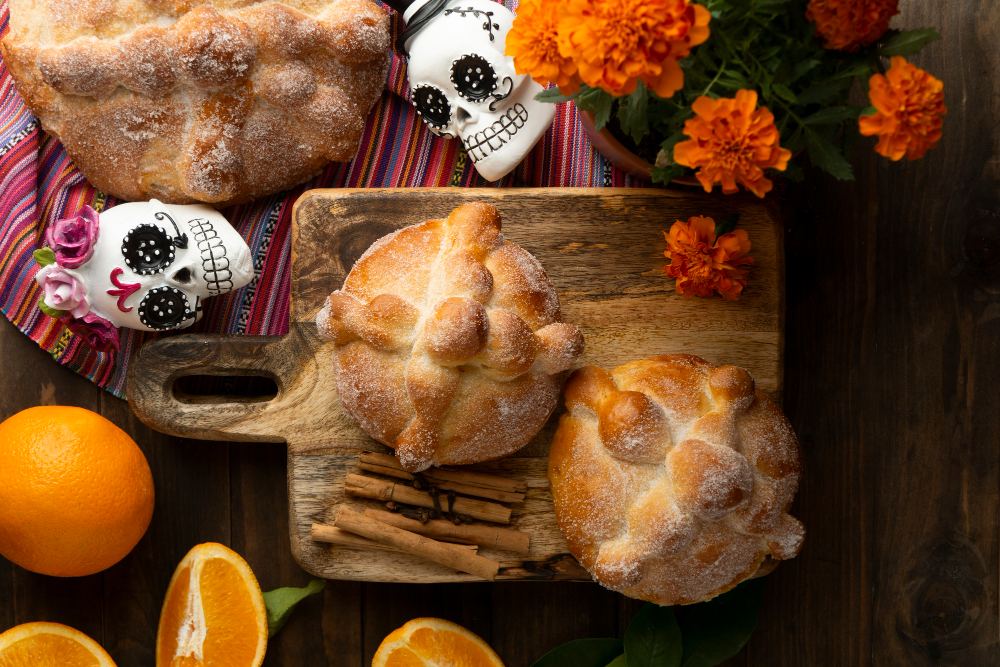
column 50, row 645
column 213, row 614
column 434, row 642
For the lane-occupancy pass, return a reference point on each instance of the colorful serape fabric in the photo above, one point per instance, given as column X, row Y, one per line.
column 41, row 185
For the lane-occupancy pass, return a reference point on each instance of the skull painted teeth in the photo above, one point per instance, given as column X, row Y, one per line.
column 464, row 86
column 482, row 144
column 154, row 263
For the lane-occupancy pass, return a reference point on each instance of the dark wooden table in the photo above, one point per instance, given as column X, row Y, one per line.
column 892, row 382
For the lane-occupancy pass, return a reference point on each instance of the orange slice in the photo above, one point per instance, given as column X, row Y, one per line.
column 50, row 645
column 213, row 614
column 434, row 642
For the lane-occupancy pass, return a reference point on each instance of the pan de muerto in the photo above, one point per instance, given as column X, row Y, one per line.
column 449, row 344
column 213, row 101
column 672, row 477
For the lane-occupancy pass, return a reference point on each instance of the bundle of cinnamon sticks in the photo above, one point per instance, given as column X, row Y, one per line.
column 442, row 530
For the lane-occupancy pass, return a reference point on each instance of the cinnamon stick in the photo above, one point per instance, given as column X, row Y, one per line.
column 321, row 532
column 479, row 491
column 484, row 536
column 448, row 555
column 449, row 474
column 380, row 489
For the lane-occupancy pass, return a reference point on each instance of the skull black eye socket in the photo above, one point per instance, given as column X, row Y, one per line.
column 432, row 105
column 474, row 77
column 148, row 249
column 164, row 308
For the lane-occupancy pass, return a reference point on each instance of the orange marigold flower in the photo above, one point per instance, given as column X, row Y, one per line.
column 847, row 25
column 909, row 104
column 702, row 263
column 617, row 43
column 732, row 141
column 533, row 42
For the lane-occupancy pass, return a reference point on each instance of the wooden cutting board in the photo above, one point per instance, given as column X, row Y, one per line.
column 602, row 248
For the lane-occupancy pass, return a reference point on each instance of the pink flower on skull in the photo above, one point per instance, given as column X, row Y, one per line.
column 73, row 239
column 63, row 290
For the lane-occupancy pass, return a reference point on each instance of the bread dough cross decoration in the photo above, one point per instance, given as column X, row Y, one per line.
column 464, row 86
column 448, row 341
column 144, row 266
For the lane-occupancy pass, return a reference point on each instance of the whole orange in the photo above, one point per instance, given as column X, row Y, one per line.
column 76, row 492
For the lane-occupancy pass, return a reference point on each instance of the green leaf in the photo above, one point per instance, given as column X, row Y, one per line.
column 909, row 42
column 618, row 662
column 632, row 113
column 804, row 67
column 582, row 653
column 666, row 174
column 785, row 93
column 602, row 111
column 823, row 91
column 727, row 225
column 716, row 630
column 48, row 310
column 832, row 116
column 863, row 69
column 281, row 601
column 553, row 96
column 828, row 157
column 794, row 172
column 653, row 638
column 869, row 111
column 44, row 256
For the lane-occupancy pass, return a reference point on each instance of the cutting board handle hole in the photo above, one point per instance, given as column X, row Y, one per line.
column 225, row 388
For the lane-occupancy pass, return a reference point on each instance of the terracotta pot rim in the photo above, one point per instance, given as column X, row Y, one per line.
column 620, row 155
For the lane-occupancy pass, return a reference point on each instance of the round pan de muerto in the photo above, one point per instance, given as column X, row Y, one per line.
column 672, row 478
column 215, row 101
column 448, row 341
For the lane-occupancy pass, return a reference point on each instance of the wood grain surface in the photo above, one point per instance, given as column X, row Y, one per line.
column 892, row 351
column 603, row 250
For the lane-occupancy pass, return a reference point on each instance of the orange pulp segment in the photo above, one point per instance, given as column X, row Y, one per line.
column 50, row 645
column 434, row 642
column 213, row 614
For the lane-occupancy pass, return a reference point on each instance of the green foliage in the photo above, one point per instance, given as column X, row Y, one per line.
column 620, row 661
column 716, row 630
column 909, row 42
column 583, row 653
column 51, row 312
column 653, row 638
column 44, row 256
column 727, row 225
column 697, row 635
column 282, row 601
column 553, row 96
column 767, row 46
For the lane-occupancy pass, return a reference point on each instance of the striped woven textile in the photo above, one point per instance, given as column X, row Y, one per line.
column 41, row 185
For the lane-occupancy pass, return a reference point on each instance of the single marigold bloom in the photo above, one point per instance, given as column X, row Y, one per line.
column 732, row 141
column 847, row 25
column 702, row 263
column 617, row 43
column 533, row 42
column 909, row 105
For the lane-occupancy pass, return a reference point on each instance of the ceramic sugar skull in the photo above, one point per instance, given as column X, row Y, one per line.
column 465, row 87
column 145, row 265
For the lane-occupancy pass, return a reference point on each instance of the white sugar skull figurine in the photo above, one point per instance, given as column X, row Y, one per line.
column 145, row 265
column 464, row 86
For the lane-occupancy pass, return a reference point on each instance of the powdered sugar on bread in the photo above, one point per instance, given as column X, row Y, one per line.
column 462, row 329
column 250, row 98
column 672, row 478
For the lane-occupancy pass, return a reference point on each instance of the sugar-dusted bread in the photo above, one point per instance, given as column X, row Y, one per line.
column 672, row 478
column 449, row 344
column 215, row 101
